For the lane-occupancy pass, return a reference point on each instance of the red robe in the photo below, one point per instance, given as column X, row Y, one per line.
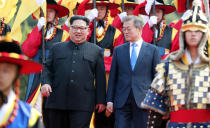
column 32, row 44
column 147, row 35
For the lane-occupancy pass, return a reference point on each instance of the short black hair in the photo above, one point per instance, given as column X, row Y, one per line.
column 79, row 17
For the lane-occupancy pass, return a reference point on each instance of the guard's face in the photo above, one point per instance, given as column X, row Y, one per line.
column 129, row 10
column 78, row 31
column 193, row 38
column 158, row 13
column 131, row 33
column 101, row 12
column 51, row 14
column 8, row 74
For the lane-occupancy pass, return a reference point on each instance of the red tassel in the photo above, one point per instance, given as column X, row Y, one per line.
column 33, row 17
column 114, row 12
column 17, row 87
column 203, row 7
column 136, row 11
column 59, row 2
column 182, row 6
column 81, row 8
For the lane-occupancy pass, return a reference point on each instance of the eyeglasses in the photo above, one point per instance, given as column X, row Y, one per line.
column 81, row 28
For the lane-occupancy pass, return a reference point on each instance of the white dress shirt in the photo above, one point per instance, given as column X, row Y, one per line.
column 137, row 48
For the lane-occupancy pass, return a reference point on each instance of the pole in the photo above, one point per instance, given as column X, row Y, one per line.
column 43, row 42
column 188, row 5
column 123, row 6
column 94, row 24
column 154, row 26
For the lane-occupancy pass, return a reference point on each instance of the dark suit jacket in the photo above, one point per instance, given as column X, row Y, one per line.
column 122, row 78
column 76, row 74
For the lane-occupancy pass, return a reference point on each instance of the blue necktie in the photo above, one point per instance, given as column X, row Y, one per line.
column 133, row 56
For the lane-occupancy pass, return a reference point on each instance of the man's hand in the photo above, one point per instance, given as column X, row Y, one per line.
column 100, row 107
column 46, row 90
column 109, row 107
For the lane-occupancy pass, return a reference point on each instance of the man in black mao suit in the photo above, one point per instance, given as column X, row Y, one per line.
column 132, row 71
column 73, row 79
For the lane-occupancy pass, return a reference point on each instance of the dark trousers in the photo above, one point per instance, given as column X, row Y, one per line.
column 67, row 118
column 101, row 121
column 44, row 112
column 130, row 115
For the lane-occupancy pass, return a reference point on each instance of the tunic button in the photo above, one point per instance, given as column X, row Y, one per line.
column 74, row 61
column 72, row 71
column 72, row 81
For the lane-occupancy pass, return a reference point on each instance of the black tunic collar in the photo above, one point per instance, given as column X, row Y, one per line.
column 77, row 46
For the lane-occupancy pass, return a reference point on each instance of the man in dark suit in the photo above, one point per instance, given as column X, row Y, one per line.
column 132, row 71
column 74, row 79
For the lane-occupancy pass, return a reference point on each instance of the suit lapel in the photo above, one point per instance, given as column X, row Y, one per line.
column 141, row 54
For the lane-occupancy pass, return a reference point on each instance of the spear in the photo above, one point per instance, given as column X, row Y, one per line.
column 154, row 26
column 43, row 42
column 123, row 6
column 94, row 24
column 188, row 5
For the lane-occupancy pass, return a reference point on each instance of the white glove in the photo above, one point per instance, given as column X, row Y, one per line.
column 67, row 22
column 122, row 15
column 93, row 14
column 186, row 14
column 152, row 21
column 41, row 23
